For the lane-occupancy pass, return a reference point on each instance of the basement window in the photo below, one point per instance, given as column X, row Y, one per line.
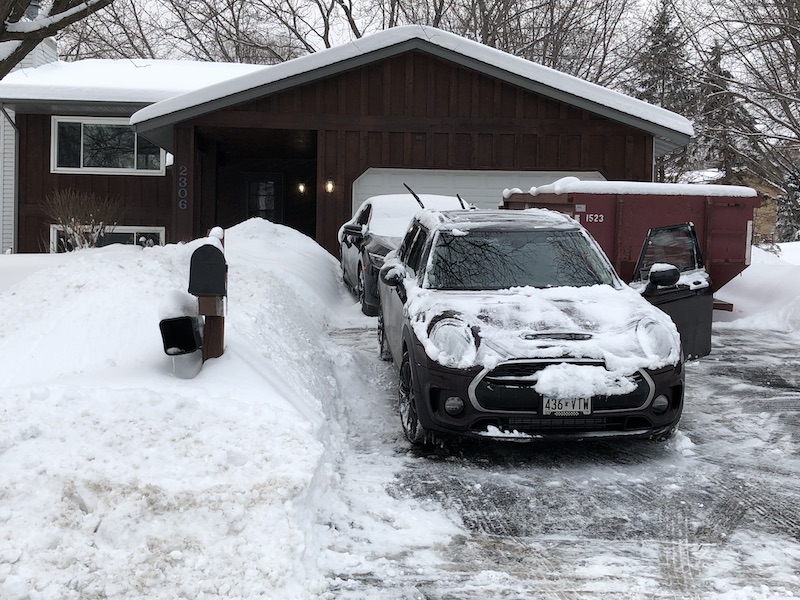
column 140, row 235
column 106, row 146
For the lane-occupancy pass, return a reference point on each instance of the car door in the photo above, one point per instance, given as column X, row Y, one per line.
column 393, row 299
column 690, row 302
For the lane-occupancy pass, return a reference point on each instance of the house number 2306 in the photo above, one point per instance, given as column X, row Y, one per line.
column 594, row 218
column 183, row 187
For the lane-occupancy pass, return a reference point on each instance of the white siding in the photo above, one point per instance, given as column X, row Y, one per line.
column 7, row 168
column 43, row 53
column 484, row 189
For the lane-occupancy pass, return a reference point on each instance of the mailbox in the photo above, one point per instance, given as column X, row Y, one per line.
column 181, row 335
column 208, row 272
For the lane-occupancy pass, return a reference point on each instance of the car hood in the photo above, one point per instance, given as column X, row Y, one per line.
column 596, row 323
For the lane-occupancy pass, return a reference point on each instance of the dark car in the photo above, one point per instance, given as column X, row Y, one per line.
column 514, row 324
column 376, row 228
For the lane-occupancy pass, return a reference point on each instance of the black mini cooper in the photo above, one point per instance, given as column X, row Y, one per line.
column 513, row 324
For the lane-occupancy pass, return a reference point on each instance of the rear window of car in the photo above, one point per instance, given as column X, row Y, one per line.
column 496, row 260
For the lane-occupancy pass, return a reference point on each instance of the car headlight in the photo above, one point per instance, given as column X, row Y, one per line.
column 655, row 339
column 453, row 339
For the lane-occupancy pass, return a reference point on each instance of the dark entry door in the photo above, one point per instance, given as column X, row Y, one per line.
column 690, row 302
column 264, row 196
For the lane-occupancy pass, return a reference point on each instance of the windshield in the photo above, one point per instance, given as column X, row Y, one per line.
column 496, row 260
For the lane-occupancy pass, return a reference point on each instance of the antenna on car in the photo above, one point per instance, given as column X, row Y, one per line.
column 413, row 193
column 461, row 200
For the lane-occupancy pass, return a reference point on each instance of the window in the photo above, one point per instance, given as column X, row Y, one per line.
column 102, row 145
column 121, row 234
column 497, row 260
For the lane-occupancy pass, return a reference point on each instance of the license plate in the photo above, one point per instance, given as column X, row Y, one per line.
column 567, row 407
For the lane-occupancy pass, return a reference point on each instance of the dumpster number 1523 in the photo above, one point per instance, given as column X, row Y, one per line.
column 594, row 217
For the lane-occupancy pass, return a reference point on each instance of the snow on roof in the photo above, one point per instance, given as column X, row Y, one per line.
column 571, row 185
column 123, row 80
column 513, row 65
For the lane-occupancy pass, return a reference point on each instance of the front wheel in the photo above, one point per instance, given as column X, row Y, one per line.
column 413, row 429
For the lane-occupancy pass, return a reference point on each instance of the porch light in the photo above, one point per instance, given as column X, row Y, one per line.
column 301, row 188
column 329, row 186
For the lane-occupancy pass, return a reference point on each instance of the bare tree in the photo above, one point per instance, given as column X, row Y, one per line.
column 762, row 43
column 24, row 24
column 124, row 29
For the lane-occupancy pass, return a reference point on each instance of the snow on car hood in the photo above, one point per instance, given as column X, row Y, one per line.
column 598, row 323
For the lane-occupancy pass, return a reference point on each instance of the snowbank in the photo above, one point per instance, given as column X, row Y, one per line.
column 120, row 480
column 766, row 295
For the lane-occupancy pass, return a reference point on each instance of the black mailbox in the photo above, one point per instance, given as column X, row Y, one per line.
column 208, row 272
column 181, row 335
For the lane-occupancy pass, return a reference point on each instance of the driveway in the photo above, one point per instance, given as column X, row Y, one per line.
column 714, row 512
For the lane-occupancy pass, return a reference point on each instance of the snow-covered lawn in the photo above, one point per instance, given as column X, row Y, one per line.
column 118, row 479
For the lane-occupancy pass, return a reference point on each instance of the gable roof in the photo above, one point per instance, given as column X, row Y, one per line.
column 103, row 86
column 670, row 130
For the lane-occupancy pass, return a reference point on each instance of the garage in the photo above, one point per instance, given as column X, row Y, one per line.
column 483, row 189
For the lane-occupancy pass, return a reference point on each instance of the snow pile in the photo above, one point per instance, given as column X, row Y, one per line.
column 766, row 295
column 120, row 480
column 573, row 185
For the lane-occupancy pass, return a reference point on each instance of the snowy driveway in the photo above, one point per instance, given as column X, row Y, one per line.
column 712, row 513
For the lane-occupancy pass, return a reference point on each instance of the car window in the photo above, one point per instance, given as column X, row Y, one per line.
column 495, row 260
column 675, row 245
column 363, row 216
column 416, row 250
column 408, row 240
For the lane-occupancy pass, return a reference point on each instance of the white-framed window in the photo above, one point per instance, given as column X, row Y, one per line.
column 139, row 235
column 102, row 145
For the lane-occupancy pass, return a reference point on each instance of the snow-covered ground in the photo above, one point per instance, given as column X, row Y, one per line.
column 120, row 480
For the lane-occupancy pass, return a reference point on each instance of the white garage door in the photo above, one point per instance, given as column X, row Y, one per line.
column 484, row 189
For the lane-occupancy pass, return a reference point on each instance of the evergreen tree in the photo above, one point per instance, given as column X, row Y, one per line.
column 787, row 227
column 664, row 76
column 726, row 133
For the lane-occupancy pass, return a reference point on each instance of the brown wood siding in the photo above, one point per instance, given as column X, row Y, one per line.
column 148, row 198
column 418, row 111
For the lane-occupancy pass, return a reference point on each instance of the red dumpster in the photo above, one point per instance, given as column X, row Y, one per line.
column 623, row 217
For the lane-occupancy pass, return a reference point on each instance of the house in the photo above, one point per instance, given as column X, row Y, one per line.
column 56, row 117
column 301, row 142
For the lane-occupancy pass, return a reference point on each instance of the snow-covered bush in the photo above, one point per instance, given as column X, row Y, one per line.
column 83, row 217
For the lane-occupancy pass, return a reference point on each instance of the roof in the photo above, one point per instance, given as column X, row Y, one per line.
column 670, row 130
column 101, row 86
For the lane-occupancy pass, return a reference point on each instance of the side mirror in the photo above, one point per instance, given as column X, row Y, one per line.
column 664, row 275
column 392, row 274
column 354, row 229
column 661, row 275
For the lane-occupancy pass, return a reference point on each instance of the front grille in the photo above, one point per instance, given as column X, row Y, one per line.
column 509, row 387
column 564, row 425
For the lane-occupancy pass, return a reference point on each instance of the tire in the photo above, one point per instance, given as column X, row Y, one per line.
column 383, row 348
column 409, row 418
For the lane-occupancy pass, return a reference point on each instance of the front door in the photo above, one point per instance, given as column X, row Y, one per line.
column 264, row 196
column 690, row 303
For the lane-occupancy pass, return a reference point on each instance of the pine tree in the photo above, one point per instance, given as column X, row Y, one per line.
column 664, row 74
column 787, row 228
column 726, row 133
